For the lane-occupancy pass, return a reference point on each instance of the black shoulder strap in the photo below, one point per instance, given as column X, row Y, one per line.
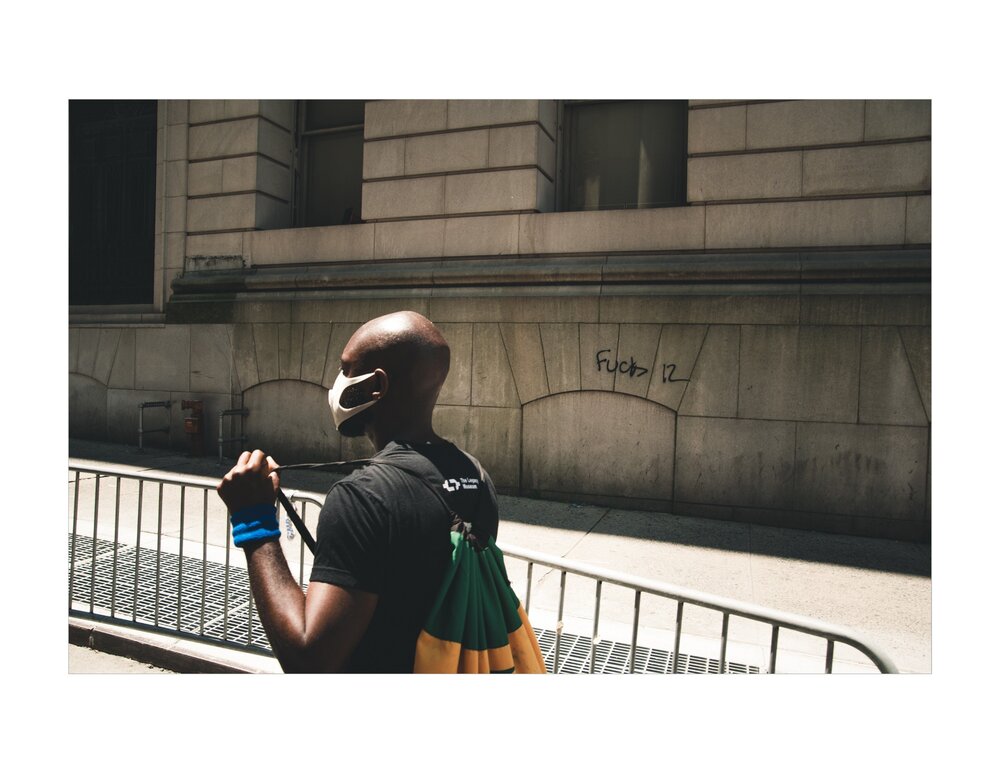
column 459, row 524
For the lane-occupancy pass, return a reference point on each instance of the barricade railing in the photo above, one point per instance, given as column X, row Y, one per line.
column 170, row 567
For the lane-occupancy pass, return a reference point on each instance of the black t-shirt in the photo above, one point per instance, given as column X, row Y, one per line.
column 383, row 530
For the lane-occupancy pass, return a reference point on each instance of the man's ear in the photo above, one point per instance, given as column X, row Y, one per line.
column 381, row 385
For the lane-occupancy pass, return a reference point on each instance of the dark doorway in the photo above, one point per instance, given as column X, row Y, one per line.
column 112, row 200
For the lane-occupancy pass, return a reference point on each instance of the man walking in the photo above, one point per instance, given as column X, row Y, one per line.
column 383, row 541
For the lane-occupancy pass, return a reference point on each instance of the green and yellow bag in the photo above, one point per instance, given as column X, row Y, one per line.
column 477, row 624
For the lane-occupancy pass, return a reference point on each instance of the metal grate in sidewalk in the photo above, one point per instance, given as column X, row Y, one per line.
column 145, row 585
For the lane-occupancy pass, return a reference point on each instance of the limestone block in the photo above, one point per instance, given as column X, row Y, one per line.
column 809, row 122
column 88, row 408
column 221, row 213
column 315, row 343
column 523, row 343
column 402, row 198
column 340, row 334
column 215, row 245
column 206, row 110
column 799, row 373
column 290, row 350
column 211, row 358
column 851, row 222
column 548, row 111
column 163, row 358
column 122, row 407
column 714, row 383
column 676, row 353
column 245, row 356
column 272, row 178
column 754, row 176
column 874, row 169
column 173, row 250
column 717, row 129
column 270, row 213
column 107, row 345
column 457, row 389
column 522, row 146
column 637, row 348
column 545, row 193
column 291, row 421
column 280, row 111
column 918, row 220
column 492, row 435
column 888, row 393
column 499, row 191
column 355, row 310
column 304, row 245
column 175, row 183
column 74, row 348
column 629, row 446
column 265, row 339
column 204, row 178
column 728, row 461
column 239, row 175
column 88, row 340
column 490, row 235
column 409, row 239
column 275, row 142
column 122, row 374
column 174, row 214
column 449, row 152
column 831, row 309
column 717, row 309
column 392, row 118
column 887, row 119
column 559, row 308
column 492, row 381
column 917, row 343
column 672, row 228
column 598, row 350
column 896, row 309
column 263, row 311
column 175, row 140
column 861, row 470
column 463, row 113
column 177, row 111
column 384, row 158
column 230, row 138
column 561, row 347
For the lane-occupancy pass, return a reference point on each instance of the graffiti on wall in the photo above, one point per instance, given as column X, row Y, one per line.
column 631, row 368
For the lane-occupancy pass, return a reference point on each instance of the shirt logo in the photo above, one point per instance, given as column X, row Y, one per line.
column 450, row 485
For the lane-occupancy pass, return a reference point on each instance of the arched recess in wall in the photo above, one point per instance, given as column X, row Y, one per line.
column 599, row 444
column 88, row 414
column 290, row 420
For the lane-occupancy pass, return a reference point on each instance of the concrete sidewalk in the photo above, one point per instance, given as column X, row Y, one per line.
column 879, row 588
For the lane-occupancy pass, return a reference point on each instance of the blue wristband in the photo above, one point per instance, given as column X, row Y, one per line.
column 257, row 522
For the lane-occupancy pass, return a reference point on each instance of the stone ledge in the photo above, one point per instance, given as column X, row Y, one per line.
column 706, row 268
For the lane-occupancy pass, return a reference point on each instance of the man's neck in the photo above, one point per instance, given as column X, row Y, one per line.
column 381, row 437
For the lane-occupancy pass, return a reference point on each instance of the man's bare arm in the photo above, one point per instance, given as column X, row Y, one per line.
column 309, row 632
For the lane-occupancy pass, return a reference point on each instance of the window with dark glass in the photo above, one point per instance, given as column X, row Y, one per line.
column 330, row 151
column 112, row 201
column 623, row 155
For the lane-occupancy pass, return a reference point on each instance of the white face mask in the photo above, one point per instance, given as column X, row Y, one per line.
column 342, row 413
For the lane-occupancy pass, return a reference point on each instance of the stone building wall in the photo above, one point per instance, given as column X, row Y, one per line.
column 762, row 354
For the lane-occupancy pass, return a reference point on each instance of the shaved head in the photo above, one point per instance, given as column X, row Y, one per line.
column 415, row 358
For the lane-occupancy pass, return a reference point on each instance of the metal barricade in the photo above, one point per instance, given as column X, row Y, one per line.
column 182, row 577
